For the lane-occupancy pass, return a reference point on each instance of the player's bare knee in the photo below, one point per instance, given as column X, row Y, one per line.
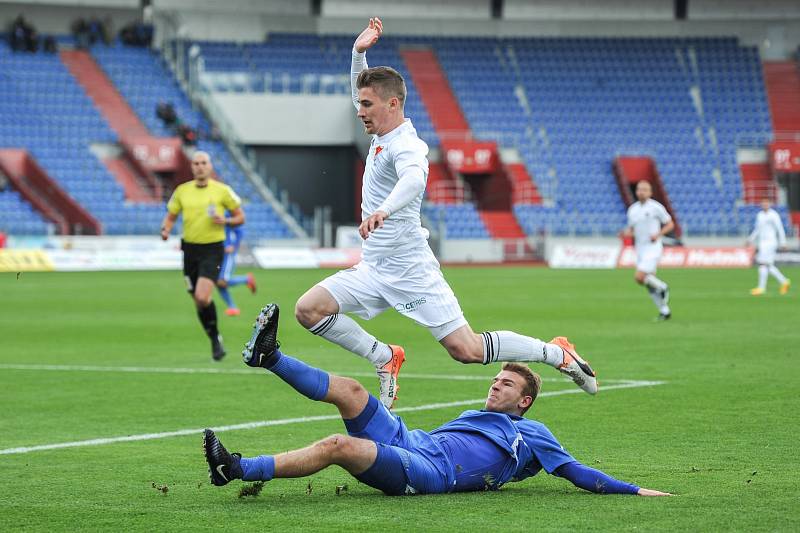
column 353, row 387
column 307, row 313
column 335, row 446
column 221, row 283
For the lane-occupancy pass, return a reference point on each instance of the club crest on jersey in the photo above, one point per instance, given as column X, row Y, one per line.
column 378, row 150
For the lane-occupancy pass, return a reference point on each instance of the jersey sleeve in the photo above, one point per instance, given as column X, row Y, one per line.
column 663, row 215
column 779, row 229
column 754, row 235
column 174, row 205
column 231, row 200
column 358, row 62
column 411, row 166
column 545, row 447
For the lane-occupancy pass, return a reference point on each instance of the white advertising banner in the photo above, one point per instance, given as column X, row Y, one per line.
column 584, row 256
column 268, row 257
column 85, row 260
column 695, row 257
column 285, row 258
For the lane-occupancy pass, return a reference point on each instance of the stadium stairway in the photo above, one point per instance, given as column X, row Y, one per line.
column 138, row 183
column 631, row 170
column 757, row 182
column 523, row 186
column 435, row 92
column 782, row 80
column 45, row 195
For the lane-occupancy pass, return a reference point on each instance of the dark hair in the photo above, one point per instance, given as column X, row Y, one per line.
column 533, row 383
column 386, row 81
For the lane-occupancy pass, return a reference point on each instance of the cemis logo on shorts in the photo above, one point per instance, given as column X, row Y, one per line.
column 410, row 307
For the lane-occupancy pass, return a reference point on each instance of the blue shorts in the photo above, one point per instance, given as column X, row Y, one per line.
column 228, row 266
column 408, row 462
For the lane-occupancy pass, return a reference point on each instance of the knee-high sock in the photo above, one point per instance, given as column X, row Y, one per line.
column 763, row 272
column 342, row 330
column 655, row 295
column 777, row 274
column 226, row 295
column 261, row 468
column 309, row 381
column 237, row 280
column 208, row 318
column 510, row 346
column 650, row 280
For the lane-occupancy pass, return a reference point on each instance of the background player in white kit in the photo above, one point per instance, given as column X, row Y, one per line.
column 398, row 269
column 648, row 221
column 768, row 235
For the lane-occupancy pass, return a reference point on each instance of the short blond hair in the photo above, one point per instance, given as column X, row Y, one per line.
column 533, row 383
column 386, row 81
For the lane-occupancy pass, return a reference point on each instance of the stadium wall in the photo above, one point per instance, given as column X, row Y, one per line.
column 290, row 119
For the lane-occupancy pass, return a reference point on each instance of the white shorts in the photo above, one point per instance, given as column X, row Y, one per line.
column 410, row 282
column 647, row 259
column 766, row 254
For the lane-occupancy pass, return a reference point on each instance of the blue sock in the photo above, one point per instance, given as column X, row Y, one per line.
column 227, row 297
column 261, row 468
column 309, row 381
column 237, row 280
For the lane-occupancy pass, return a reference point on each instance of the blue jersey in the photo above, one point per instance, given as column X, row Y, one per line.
column 233, row 236
column 489, row 449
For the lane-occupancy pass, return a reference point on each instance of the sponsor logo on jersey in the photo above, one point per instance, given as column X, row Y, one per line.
column 378, row 150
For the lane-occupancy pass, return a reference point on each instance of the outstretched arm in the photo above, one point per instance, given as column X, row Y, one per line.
column 596, row 481
column 364, row 41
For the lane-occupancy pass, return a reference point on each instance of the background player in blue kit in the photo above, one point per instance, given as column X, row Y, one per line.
column 233, row 238
column 479, row 450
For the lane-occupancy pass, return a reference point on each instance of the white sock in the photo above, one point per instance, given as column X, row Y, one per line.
column 342, row 330
column 655, row 295
column 763, row 271
column 777, row 274
column 651, row 281
column 510, row 346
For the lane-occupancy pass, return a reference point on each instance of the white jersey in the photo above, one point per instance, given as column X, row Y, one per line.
column 646, row 220
column 394, row 157
column 768, row 232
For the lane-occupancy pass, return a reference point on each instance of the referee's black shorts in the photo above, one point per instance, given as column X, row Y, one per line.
column 201, row 261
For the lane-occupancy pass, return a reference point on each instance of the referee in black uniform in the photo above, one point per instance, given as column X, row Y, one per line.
column 203, row 202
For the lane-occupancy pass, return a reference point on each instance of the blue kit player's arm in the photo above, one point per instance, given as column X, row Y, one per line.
column 548, row 454
column 593, row 480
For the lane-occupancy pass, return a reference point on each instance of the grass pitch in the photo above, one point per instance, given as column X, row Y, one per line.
column 721, row 432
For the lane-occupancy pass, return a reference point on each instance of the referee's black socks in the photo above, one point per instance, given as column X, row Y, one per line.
column 208, row 318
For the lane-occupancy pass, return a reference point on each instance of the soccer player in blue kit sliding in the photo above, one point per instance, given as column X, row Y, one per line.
column 479, row 450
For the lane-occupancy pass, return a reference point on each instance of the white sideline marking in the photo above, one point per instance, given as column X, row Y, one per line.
column 280, row 422
column 249, row 372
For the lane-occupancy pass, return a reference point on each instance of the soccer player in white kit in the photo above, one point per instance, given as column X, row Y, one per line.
column 648, row 221
column 398, row 269
column 768, row 236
